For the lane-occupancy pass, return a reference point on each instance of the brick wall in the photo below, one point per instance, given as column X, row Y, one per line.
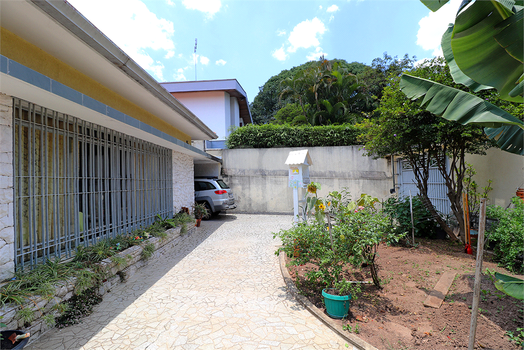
column 7, row 230
column 183, row 181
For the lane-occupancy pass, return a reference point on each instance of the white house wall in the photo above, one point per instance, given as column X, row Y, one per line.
column 234, row 114
column 211, row 107
column 504, row 168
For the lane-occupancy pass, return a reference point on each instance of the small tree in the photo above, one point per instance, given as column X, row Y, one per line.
column 425, row 140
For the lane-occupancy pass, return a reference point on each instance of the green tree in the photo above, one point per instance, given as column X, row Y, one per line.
column 403, row 128
column 374, row 78
column 291, row 114
column 268, row 102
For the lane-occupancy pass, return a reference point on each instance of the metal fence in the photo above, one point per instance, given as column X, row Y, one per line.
column 77, row 182
column 437, row 190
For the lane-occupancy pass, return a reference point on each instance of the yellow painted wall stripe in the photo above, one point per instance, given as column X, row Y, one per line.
column 29, row 55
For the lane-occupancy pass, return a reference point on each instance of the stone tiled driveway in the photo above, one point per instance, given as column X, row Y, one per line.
column 222, row 290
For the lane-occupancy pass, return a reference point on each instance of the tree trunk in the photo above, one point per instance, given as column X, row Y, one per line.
column 374, row 274
column 442, row 223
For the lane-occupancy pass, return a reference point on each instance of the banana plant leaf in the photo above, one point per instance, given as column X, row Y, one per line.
column 487, row 44
column 458, row 76
column 465, row 108
column 512, row 286
column 434, row 5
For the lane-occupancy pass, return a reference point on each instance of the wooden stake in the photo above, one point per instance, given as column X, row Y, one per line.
column 478, row 275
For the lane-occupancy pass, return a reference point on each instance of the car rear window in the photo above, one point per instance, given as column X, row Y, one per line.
column 203, row 186
column 222, row 184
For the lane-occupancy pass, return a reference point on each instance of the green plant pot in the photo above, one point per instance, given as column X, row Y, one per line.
column 337, row 306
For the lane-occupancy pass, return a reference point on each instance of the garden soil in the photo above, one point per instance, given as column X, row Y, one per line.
column 394, row 317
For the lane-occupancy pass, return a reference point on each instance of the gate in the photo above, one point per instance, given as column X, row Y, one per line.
column 437, row 190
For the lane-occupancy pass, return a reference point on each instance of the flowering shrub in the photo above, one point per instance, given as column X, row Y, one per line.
column 351, row 235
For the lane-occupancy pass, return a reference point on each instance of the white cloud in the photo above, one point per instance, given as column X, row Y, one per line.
column 204, row 60
column 304, row 35
column 169, row 54
column 315, row 55
column 180, row 76
column 281, row 32
column 332, row 8
column 209, row 7
column 220, row 62
column 131, row 26
column 280, row 54
column 434, row 25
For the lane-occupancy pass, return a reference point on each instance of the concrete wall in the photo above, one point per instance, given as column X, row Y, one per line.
column 7, row 230
column 259, row 177
column 207, row 169
column 183, row 181
column 504, row 168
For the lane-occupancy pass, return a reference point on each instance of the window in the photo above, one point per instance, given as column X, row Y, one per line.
column 77, row 182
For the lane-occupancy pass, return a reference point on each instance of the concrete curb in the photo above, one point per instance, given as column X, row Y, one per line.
column 350, row 338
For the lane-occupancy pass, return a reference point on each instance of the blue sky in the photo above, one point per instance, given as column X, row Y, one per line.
column 252, row 40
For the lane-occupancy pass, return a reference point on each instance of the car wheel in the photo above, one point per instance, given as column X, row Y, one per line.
column 209, row 212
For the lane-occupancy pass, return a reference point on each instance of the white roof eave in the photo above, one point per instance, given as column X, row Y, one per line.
column 59, row 29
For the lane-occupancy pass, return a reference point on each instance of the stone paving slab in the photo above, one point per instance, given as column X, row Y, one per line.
column 222, row 290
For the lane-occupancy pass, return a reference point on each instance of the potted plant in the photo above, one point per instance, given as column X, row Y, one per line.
column 199, row 210
column 338, row 299
column 13, row 339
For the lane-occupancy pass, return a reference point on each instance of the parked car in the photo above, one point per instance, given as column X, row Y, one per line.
column 215, row 194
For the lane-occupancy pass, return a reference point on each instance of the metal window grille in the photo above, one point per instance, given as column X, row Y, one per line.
column 77, row 182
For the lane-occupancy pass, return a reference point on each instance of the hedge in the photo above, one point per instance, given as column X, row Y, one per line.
column 272, row 135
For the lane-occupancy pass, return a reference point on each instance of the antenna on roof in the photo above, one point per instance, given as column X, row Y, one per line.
column 195, row 58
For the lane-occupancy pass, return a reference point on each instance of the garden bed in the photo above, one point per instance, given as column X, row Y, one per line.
column 394, row 317
column 118, row 269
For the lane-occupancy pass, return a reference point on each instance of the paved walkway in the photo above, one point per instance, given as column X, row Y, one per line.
column 222, row 290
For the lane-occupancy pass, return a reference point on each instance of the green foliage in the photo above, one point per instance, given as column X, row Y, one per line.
column 508, row 234
column 326, row 92
column 376, row 78
column 291, row 114
column 268, row 101
column 200, row 211
column 424, row 140
column 399, row 212
column 77, row 307
column 2, row 325
column 517, row 337
column 471, row 188
column 509, row 285
column 49, row 320
column 26, row 314
column 148, row 251
column 269, row 136
column 351, row 238
column 42, row 280
column 39, row 281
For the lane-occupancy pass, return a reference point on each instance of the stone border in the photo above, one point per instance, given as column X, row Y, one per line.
column 116, row 274
column 350, row 338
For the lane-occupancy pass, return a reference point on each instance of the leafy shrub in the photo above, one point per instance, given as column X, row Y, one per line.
column 270, row 135
column 399, row 212
column 77, row 307
column 508, row 234
column 353, row 238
